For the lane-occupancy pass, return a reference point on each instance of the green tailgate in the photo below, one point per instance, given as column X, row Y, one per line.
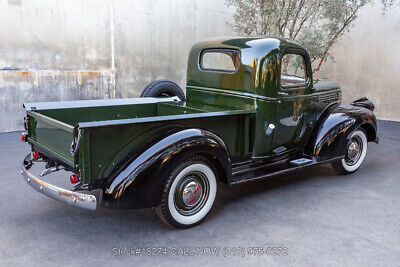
column 51, row 136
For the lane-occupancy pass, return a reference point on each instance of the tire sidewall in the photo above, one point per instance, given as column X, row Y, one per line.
column 180, row 173
column 355, row 167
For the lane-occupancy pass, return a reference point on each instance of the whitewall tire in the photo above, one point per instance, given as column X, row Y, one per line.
column 189, row 193
column 356, row 151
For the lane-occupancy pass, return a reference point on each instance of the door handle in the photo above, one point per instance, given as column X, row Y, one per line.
column 269, row 128
column 282, row 93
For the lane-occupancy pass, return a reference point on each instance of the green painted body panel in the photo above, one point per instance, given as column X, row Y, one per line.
column 237, row 106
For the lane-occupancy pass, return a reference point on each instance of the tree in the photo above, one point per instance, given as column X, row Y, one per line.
column 316, row 24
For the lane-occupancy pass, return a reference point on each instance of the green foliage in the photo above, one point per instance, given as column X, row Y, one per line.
column 316, row 24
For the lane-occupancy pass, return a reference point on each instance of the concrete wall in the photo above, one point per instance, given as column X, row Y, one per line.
column 52, row 50
column 367, row 61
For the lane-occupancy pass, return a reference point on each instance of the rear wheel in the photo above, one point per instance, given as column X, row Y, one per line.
column 356, row 151
column 189, row 193
column 163, row 88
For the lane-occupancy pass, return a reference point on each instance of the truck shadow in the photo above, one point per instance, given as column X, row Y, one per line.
column 305, row 178
column 282, row 181
column 121, row 225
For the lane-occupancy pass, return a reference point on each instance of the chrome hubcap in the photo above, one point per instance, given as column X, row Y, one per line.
column 191, row 194
column 354, row 150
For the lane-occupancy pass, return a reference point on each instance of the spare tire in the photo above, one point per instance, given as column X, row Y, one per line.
column 163, row 88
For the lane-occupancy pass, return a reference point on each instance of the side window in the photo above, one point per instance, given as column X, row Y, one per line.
column 293, row 70
column 220, row 60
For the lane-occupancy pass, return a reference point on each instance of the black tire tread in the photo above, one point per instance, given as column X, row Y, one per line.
column 154, row 88
column 337, row 165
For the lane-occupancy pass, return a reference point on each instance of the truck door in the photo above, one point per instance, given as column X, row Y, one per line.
column 293, row 99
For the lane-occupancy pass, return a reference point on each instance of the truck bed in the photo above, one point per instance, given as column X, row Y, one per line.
column 111, row 129
column 90, row 113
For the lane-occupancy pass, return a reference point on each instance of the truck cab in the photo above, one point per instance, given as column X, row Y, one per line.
column 274, row 77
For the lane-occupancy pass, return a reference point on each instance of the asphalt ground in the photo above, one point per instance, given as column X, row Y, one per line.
column 311, row 217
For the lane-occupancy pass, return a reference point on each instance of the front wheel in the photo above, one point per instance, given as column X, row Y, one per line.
column 356, row 151
column 189, row 193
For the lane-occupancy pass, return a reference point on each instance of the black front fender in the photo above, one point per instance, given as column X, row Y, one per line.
column 332, row 131
column 140, row 183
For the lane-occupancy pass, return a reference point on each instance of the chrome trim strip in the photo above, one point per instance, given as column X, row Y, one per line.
column 79, row 200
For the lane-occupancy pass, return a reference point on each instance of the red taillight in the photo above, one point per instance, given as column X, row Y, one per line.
column 35, row 154
column 74, row 178
column 24, row 137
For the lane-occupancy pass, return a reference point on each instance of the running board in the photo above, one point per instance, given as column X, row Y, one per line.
column 270, row 170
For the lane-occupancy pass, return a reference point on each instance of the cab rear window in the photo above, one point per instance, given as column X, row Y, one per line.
column 220, row 60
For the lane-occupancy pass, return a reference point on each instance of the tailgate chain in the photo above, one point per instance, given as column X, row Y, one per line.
column 74, row 148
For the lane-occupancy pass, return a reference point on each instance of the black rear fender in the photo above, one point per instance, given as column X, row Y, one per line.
column 139, row 183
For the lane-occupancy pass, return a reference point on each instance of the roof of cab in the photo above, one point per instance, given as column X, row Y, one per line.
column 246, row 42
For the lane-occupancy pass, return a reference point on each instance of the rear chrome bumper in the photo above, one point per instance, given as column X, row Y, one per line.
column 79, row 200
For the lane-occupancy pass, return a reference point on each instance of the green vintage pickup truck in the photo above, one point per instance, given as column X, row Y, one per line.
column 251, row 111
